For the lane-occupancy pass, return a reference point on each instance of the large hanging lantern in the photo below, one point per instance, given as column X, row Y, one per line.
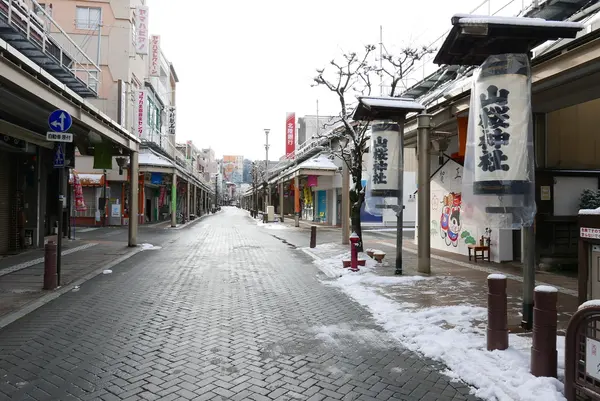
column 499, row 175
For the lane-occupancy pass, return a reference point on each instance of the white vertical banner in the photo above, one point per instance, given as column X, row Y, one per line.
column 155, row 56
column 141, row 27
column 383, row 177
column 141, row 113
column 501, row 128
column 171, row 123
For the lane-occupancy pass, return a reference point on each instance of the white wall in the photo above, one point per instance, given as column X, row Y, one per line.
column 447, row 230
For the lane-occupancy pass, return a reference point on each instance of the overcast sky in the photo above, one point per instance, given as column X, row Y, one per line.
column 243, row 64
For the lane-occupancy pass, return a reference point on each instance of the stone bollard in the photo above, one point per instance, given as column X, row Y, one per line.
column 354, row 238
column 313, row 236
column 50, row 274
column 497, row 330
column 543, row 348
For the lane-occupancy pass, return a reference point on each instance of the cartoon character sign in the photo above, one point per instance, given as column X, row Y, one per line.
column 450, row 220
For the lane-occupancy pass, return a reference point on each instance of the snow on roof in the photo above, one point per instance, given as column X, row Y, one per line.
column 152, row 159
column 465, row 19
column 392, row 103
column 321, row 162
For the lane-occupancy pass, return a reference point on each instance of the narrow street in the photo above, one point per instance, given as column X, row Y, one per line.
column 223, row 311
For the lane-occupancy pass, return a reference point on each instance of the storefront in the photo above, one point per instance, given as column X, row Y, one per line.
column 18, row 195
column 93, row 191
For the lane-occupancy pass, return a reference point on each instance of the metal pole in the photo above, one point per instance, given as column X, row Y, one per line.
column 61, row 172
column 345, row 204
column 424, row 188
column 268, row 198
column 528, row 275
column 400, row 211
column 216, row 191
column 133, row 199
column 104, row 214
column 174, row 201
column 281, row 204
column 297, row 201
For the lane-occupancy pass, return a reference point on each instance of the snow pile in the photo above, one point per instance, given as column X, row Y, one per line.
column 149, row 247
column 333, row 267
column 455, row 336
column 272, row 226
column 107, row 272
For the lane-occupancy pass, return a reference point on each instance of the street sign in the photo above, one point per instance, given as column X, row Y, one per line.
column 59, row 137
column 60, row 121
column 59, row 155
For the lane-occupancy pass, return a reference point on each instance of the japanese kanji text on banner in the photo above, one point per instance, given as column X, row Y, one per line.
column 140, row 111
column 290, row 135
column 141, row 29
column 154, row 56
column 499, row 180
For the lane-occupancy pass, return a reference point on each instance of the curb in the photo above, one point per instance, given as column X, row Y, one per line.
column 30, row 307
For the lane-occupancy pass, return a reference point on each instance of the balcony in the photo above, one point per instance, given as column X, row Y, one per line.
column 38, row 37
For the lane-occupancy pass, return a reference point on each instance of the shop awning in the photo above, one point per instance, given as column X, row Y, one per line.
column 152, row 159
column 320, row 165
column 89, row 180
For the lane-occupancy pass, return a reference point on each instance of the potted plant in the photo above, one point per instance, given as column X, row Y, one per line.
column 589, row 208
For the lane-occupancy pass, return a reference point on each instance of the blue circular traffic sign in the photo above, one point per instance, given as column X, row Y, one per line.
column 60, row 121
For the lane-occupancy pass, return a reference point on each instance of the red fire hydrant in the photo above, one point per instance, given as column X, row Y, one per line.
column 354, row 238
column 50, row 275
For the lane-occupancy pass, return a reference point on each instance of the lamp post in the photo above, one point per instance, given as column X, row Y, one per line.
column 268, row 197
column 390, row 112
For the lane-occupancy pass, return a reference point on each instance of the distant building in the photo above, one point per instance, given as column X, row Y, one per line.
column 309, row 126
column 233, row 169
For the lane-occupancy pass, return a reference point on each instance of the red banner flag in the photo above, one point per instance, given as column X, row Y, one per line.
column 290, row 135
column 77, row 187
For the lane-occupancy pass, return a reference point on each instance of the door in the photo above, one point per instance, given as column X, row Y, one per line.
column 322, row 206
column 4, row 202
column 148, row 210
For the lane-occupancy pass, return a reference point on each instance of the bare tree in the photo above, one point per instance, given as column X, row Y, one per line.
column 350, row 76
column 396, row 68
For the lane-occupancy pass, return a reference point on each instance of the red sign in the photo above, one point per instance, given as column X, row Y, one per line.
column 163, row 195
column 290, row 135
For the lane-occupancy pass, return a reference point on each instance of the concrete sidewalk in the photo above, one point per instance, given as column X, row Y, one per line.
column 22, row 276
column 462, row 282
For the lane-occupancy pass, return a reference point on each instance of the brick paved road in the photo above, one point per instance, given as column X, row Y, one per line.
column 226, row 312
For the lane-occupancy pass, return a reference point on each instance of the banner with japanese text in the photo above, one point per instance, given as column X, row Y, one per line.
column 141, row 30
column 78, row 189
column 499, row 172
column 290, row 135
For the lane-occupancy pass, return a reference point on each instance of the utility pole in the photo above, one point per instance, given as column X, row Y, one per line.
column 268, row 197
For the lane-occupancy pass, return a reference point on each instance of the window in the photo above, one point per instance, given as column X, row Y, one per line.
column 133, row 29
column 87, row 18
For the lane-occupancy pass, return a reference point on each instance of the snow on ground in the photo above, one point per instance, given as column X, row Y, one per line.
column 149, row 247
column 107, row 272
column 452, row 335
column 272, row 226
